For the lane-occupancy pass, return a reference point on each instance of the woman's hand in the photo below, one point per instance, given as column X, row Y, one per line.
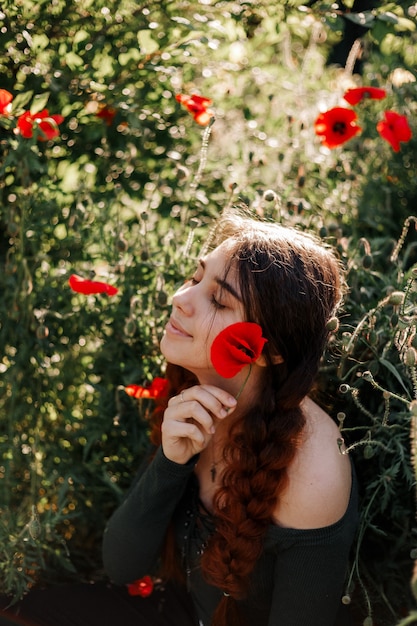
column 189, row 420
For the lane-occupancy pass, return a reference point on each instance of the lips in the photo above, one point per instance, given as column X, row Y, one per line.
column 175, row 328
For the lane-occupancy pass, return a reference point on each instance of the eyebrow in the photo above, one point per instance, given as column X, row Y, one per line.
column 222, row 283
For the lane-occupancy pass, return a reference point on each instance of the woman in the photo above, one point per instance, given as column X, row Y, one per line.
column 246, row 510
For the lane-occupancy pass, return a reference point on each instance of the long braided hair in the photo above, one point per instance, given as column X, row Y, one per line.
column 291, row 285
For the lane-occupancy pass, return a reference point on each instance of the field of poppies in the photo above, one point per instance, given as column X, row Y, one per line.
column 125, row 129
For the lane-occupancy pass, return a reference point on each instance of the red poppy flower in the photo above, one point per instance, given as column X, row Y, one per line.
column 88, row 287
column 5, row 102
column 394, row 129
column 157, row 389
column 336, row 126
column 197, row 106
column 48, row 124
column 107, row 114
column 235, row 346
column 354, row 96
column 142, row 587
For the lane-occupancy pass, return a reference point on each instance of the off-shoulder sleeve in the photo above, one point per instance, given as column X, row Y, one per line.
column 135, row 533
column 310, row 571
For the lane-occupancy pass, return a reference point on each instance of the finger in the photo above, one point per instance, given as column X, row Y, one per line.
column 192, row 411
column 214, row 399
column 185, row 431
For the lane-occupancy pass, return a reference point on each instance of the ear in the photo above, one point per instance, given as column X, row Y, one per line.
column 276, row 359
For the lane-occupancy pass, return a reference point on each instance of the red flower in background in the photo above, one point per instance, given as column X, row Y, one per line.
column 157, row 389
column 197, row 106
column 88, row 287
column 394, row 129
column 356, row 95
column 336, row 126
column 142, row 587
column 48, row 124
column 5, row 102
column 107, row 114
column 235, row 346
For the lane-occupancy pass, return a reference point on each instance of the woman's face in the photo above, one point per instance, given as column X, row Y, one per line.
column 201, row 308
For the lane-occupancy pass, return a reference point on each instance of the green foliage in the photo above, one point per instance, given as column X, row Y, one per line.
column 125, row 194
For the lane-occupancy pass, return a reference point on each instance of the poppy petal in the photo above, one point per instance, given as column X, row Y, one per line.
column 5, row 101
column 394, row 129
column 157, row 389
column 235, row 346
column 336, row 126
column 88, row 287
column 356, row 95
column 142, row 587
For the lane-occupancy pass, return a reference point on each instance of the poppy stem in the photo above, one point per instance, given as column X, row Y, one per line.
column 244, row 382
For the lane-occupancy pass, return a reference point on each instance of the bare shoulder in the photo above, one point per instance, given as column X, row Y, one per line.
column 320, row 476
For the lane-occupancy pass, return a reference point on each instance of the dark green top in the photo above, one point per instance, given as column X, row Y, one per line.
column 298, row 581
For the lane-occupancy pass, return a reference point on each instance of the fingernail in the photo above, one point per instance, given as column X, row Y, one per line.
column 232, row 400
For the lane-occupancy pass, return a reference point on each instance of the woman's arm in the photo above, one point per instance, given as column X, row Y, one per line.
column 135, row 533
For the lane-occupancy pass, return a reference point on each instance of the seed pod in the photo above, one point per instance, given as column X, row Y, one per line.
column 332, row 325
column 269, row 195
column 410, row 357
column 396, row 298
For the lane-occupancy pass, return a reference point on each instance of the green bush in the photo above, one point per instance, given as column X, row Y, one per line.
column 124, row 193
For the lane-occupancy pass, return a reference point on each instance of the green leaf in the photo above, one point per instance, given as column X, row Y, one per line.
column 388, row 17
column 146, row 43
column 394, row 371
column 20, row 101
column 73, row 60
column 39, row 103
column 364, row 19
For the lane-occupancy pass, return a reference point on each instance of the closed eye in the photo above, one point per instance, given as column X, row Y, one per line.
column 216, row 304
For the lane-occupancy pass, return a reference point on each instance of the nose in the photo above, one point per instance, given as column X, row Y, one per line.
column 182, row 300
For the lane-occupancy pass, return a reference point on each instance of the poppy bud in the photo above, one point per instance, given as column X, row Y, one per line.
column 42, row 332
column 368, row 452
column 130, row 327
column 367, row 261
column 162, row 298
column 394, row 320
column 121, row 244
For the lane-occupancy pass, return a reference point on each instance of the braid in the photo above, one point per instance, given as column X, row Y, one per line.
column 257, row 457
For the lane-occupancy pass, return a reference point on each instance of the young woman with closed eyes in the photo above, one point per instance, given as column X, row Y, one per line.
column 246, row 509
